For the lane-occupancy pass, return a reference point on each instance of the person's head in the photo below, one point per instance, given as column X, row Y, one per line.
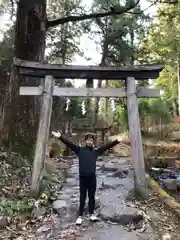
column 89, row 139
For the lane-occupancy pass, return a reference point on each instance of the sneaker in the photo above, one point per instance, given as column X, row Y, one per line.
column 79, row 220
column 93, row 218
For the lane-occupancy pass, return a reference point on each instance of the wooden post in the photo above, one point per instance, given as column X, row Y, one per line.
column 43, row 134
column 136, row 140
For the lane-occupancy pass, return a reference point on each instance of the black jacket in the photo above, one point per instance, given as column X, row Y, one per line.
column 87, row 155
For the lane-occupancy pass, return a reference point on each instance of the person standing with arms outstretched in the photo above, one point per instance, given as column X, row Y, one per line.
column 87, row 155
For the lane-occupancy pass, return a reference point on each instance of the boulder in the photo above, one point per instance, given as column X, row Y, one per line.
column 170, row 184
column 120, row 214
column 60, row 206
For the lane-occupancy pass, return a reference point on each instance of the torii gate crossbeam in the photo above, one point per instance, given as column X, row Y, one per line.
column 48, row 90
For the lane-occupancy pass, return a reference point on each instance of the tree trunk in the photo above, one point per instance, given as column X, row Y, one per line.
column 174, row 108
column 21, row 113
column 103, row 63
column 178, row 77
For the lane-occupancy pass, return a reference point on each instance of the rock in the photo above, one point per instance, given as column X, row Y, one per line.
column 170, row 184
column 120, row 214
column 43, row 229
column 73, row 208
column 109, row 167
column 119, row 174
column 71, row 182
column 166, row 237
column 105, row 186
column 132, row 236
column 59, row 205
column 3, row 222
column 110, row 183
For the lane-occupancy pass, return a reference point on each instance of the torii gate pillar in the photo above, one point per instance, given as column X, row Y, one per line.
column 136, row 140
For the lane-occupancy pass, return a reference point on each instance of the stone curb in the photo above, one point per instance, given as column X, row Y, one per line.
column 167, row 200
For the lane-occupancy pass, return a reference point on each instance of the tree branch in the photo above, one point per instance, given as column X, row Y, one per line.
column 118, row 33
column 143, row 10
column 114, row 11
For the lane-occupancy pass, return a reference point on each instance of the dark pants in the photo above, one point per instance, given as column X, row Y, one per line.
column 87, row 184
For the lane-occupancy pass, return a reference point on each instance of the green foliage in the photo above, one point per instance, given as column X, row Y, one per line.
column 144, row 107
column 156, row 109
column 162, row 44
column 6, row 54
column 121, row 33
column 167, row 81
column 15, row 207
column 121, row 117
column 160, row 110
column 74, row 108
column 63, row 40
column 118, row 38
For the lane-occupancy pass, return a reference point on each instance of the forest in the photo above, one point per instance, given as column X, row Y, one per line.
column 130, row 32
column 124, row 34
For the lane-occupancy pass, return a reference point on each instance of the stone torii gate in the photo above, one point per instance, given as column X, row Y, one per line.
column 47, row 90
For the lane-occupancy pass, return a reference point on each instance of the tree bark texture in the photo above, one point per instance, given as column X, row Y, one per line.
column 21, row 113
column 178, row 77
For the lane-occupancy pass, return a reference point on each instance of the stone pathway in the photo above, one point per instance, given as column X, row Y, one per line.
column 119, row 219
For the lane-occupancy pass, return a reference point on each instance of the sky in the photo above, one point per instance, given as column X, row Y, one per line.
column 87, row 45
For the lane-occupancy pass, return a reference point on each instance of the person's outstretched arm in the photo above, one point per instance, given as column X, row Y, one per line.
column 107, row 146
column 67, row 142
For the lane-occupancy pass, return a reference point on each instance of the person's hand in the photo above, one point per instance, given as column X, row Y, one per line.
column 56, row 134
